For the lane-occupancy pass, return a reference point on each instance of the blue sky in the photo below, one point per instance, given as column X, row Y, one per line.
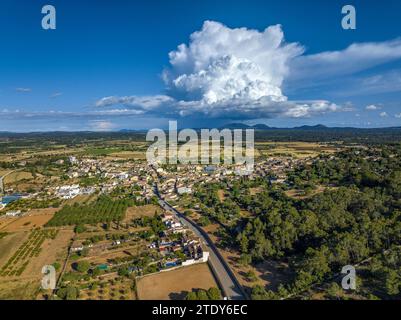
column 107, row 65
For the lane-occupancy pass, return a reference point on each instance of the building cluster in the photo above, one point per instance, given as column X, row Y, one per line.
column 110, row 175
column 181, row 180
column 187, row 244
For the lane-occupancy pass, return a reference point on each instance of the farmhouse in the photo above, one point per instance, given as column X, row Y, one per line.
column 13, row 213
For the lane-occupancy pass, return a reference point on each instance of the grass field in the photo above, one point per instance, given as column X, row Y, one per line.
column 22, row 256
column 10, row 244
column 139, row 155
column 35, row 218
column 175, row 284
column 293, row 149
column 141, row 211
column 17, row 176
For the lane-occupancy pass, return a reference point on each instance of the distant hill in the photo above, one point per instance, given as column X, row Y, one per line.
column 318, row 127
column 266, row 127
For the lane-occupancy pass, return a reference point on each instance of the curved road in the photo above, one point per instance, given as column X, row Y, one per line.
column 2, row 181
column 227, row 280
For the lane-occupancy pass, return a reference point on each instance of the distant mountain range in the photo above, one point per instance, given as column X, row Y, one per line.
column 232, row 126
column 265, row 127
column 318, row 127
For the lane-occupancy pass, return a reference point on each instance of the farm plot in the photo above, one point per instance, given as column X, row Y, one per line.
column 31, row 248
column 17, row 176
column 34, row 219
column 142, row 211
column 113, row 289
column 103, row 210
column 174, row 285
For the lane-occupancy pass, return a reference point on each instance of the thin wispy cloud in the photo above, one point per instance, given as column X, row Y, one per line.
column 56, row 94
column 372, row 107
column 101, row 125
column 23, row 90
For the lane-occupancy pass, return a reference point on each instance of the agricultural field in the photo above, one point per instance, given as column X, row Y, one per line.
column 17, row 176
column 112, row 289
column 34, row 219
column 126, row 155
column 9, row 243
column 16, row 265
column 103, row 210
column 10, row 289
column 294, row 149
column 175, row 284
column 141, row 211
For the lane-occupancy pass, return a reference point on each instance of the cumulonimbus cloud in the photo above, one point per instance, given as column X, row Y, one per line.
column 239, row 73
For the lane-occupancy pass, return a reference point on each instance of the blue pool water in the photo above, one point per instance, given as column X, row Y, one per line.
column 8, row 199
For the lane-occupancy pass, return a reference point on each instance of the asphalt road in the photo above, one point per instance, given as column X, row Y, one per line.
column 227, row 281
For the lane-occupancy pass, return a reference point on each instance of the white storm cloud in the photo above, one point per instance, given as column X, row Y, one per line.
column 221, row 64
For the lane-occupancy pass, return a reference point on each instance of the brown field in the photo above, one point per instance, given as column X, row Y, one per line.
column 9, row 244
column 294, row 149
column 3, row 172
column 52, row 251
column 221, row 195
column 26, row 285
column 35, row 218
column 175, row 284
column 141, row 211
column 18, row 290
column 127, row 155
column 5, row 221
column 17, row 176
column 81, row 199
column 113, row 289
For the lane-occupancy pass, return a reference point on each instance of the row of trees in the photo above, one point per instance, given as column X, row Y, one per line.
column 104, row 210
column 210, row 294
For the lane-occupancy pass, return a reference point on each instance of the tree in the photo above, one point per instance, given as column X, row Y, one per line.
column 57, row 266
column 123, row 272
column 393, row 282
column 204, row 221
column 191, row 296
column 259, row 293
column 334, row 291
column 82, row 266
column 202, row 295
column 251, row 276
column 214, row 294
column 79, row 229
column 68, row 293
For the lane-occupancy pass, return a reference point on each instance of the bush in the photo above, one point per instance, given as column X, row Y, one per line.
column 82, row 266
